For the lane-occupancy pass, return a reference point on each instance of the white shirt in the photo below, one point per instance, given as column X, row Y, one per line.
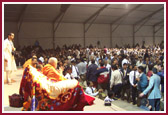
column 107, row 99
column 131, row 76
column 85, row 62
column 74, row 72
column 68, row 76
column 116, row 78
column 108, row 66
column 89, row 91
column 139, row 63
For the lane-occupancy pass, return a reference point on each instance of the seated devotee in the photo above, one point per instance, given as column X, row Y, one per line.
column 68, row 71
column 50, row 71
column 145, row 105
column 90, row 90
column 32, row 61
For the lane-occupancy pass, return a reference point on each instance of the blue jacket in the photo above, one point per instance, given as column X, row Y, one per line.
column 143, row 83
column 154, row 84
column 102, row 75
column 101, row 70
column 90, row 75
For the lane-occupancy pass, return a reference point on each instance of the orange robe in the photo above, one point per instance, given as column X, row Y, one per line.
column 49, row 71
column 28, row 62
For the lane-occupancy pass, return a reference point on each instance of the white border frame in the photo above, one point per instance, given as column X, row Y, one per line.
column 85, row 3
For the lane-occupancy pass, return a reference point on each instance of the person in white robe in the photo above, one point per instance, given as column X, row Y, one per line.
column 9, row 59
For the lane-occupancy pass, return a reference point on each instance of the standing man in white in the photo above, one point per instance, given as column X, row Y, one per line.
column 9, row 60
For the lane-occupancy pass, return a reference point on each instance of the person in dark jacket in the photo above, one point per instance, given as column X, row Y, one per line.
column 102, row 75
column 146, row 54
column 90, row 75
column 125, row 81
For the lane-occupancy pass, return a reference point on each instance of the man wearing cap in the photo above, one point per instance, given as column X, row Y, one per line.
column 125, row 60
column 155, row 94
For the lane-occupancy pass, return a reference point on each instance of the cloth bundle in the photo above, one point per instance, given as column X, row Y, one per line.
column 41, row 93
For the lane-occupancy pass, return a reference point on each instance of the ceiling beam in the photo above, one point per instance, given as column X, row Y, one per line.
column 63, row 9
column 149, row 16
column 91, row 23
column 155, row 31
column 55, row 28
column 123, row 16
column 21, row 15
column 96, row 13
column 126, row 14
column 141, row 25
column 22, row 12
column 158, row 23
column 56, row 18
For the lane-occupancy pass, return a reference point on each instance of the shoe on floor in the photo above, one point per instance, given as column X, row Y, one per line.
column 115, row 98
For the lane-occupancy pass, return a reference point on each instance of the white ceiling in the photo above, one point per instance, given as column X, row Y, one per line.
column 79, row 13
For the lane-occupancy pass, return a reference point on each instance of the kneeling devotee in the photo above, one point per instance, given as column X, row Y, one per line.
column 50, row 71
column 32, row 61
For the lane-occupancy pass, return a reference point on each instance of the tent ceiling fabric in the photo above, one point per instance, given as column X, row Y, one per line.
column 78, row 13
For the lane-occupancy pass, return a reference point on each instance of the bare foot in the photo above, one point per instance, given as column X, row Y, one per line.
column 9, row 83
column 12, row 80
column 5, row 82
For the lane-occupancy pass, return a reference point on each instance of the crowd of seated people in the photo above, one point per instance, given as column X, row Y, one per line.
column 130, row 73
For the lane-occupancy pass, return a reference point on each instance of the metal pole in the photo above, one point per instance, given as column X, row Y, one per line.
column 84, row 35
column 133, row 36
column 53, row 37
column 55, row 29
column 153, row 35
column 17, row 41
column 110, row 35
column 158, row 29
